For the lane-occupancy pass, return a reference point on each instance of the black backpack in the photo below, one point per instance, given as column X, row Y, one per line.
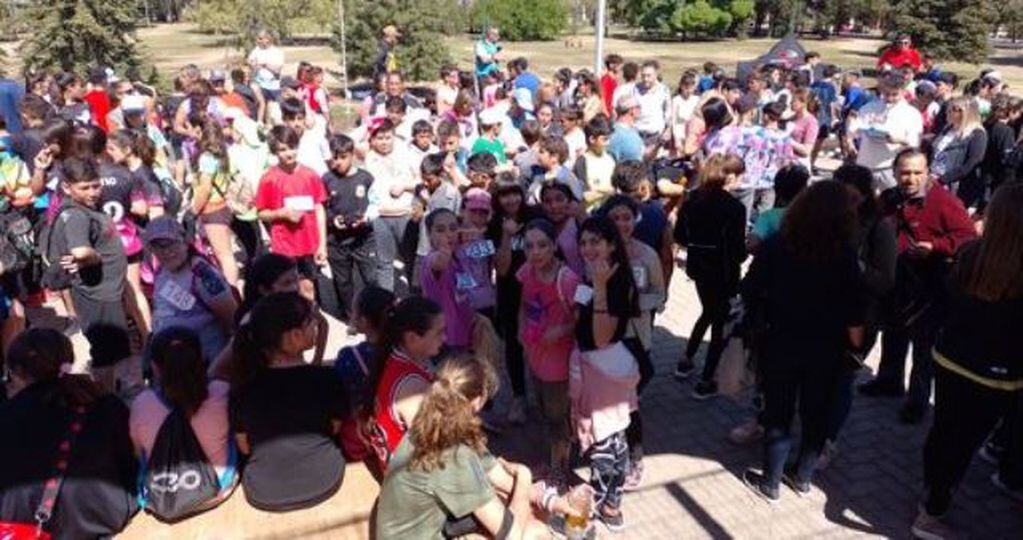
column 52, row 244
column 17, row 242
column 171, row 195
column 179, row 479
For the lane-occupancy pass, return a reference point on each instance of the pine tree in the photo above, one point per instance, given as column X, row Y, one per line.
column 75, row 35
column 947, row 29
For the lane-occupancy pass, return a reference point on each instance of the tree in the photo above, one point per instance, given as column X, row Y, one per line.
column 423, row 23
column 1011, row 18
column 700, row 19
column 75, row 35
column 696, row 17
column 947, row 29
column 245, row 18
column 522, row 20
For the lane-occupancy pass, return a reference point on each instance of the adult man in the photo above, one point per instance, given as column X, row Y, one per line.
column 654, row 101
column 932, row 226
column 488, row 53
column 885, row 127
column 387, row 60
column 900, row 53
column 394, row 86
column 626, row 143
column 267, row 61
column 609, row 80
column 518, row 69
column 945, row 85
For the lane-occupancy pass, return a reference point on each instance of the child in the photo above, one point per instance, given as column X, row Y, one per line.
column 445, row 280
column 546, row 325
column 788, row 182
column 349, row 214
column 558, row 203
column 489, row 140
column 595, row 167
column 476, row 252
column 421, row 144
column 449, row 141
column 312, row 150
column 553, row 151
column 482, row 169
column 290, row 199
column 394, row 183
column 437, row 191
column 526, row 161
column 571, row 123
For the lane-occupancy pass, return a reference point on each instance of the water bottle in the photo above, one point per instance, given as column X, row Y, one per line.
column 577, row 522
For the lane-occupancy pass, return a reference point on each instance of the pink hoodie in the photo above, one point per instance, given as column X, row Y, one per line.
column 601, row 402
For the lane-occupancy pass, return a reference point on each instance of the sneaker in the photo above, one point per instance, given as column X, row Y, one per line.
column 828, row 454
column 881, row 388
column 928, row 527
column 615, row 522
column 1014, row 494
column 684, row 369
column 912, row 414
column 755, row 481
column 517, row 411
column 801, row 487
column 634, row 479
column 747, row 433
column 705, row 390
column 991, row 453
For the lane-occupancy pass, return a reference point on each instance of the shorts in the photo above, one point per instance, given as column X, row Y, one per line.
column 554, row 406
column 224, row 216
column 105, row 327
column 823, row 132
column 136, row 258
column 307, row 267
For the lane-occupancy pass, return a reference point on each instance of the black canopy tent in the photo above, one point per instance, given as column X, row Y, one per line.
column 787, row 52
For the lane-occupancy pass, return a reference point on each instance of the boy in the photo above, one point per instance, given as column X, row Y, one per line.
column 421, row 143
column 312, row 150
column 438, row 190
column 551, row 157
column 707, row 82
column 595, row 167
column 788, row 182
column 394, row 183
column 449, row 141
column 482, row 171
column 350, row 213
column 93, row 261
column 526, row 161
column 489, row 141
column 290, row 199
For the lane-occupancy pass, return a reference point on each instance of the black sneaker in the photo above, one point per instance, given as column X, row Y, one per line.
column 684, row 369
column 756, row 482
column 790, row 479
column 912, row 413
column 881, row 388
column 705, row 390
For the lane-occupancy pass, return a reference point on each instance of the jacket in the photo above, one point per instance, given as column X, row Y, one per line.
column 938, row 217
column 601, row 402
column 996, row 168
column 712, row 227
column 963, row 157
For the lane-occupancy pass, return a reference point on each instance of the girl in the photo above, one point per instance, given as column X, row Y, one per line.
column 683, row 109
column 180, row 370
column 73, row 107
column 445, row 279
column 506, row 232
column 413, row 335
column 286, row 413
column 646, row 269
column 557, row 202
column 546, row 324
column 140, row 162
column 959, row 151
column 209, row 200
column 545, row 117
column 571, row 124
column 587, row 96
column 475, row 252
column 603, row 374
column 463, row 114
column 189, row 291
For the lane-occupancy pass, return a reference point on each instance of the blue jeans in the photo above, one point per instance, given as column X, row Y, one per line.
column 388, row 233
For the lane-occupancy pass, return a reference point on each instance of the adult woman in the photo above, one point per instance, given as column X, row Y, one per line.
column 959, row 150
column 180, row 372
column 712, row 227
column 188, row 291
column 413, row 336
column 804, row 125
column 978, row 365
column 587, row 96
column 603, row 375
column 209, row 199
column 805, row 282
column 286, row 413
column 45, row 403
column 653, row 292
column 997, row 168
column 443, row 470
column 511, row 214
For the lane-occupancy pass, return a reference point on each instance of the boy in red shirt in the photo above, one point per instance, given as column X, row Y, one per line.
column 290, row 199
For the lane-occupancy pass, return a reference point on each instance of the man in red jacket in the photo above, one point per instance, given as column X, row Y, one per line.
column 98, row 97
column 932, row 226
column 900, row 54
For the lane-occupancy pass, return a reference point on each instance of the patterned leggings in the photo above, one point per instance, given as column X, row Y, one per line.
column 609, row 463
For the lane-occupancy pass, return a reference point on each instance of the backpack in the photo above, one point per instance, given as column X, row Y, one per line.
column 170, row 193
column 239, row 194
column 179, row 480
column 53, row 245
column 17, row 242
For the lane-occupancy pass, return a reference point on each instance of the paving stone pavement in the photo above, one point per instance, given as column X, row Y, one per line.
column 693, row 487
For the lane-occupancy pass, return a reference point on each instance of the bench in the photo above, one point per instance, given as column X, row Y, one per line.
column 343, row 516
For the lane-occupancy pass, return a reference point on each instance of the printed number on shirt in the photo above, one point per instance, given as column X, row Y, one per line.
column 464, row 281
column 114, row 209
column 480, row 249
column 639, row 274
column 178, row 296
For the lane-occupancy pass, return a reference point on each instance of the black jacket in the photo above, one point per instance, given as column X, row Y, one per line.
column 712, row 227
column 963, row 157
column 996, row 168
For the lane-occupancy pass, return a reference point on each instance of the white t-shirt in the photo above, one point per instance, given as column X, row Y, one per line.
column 576, row 141
column 392, row 170
column 653, row 108
column 273, row 58
column 682, row 110
column 624, row 89
column 902, row 121
column 313, row 149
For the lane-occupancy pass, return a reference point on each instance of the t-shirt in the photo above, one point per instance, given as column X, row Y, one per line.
column 102, row 282
column 445, row 196
column 494, row 147
column 622, row 303
column 183, row 298
column 654, row 106
column 287, row 414
column 415, row 504
column 901, row 121
column 650, row 227
column 595, row 172
column 121, row 189
column 477, row 261
column 625, row 144
column 768, row 224
column 529, row 81
column 546, row 305
column 391, row 171
column 576, row 141
column 209, row 166
column 313, row 150
column 450, row 289
column 568, row 244
column 301, row 189
column 273, row 57
column 348, row 198
column 209, row 423
column 99, row 105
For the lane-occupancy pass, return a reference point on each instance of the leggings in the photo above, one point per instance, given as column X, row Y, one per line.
column 248, row 234
column 714, row 299
column 634, row 433
column 509, row 298
column 609, row 463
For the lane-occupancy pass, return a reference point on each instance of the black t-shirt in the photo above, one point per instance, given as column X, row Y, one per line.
column 119, row 187
column 85, row 227
column 148, row 182
column 97, row 498
column 348, row 197
column 508, row 287
column 622, row 303
column 287, row 413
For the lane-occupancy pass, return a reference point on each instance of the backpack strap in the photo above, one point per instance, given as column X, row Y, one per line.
column 360, row 360
column 51, row 488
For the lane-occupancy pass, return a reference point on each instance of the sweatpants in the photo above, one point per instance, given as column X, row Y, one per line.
column 389, row 233
column 347, row 260
column 609, row 463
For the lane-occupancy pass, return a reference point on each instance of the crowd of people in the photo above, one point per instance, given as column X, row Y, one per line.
column 500, row 225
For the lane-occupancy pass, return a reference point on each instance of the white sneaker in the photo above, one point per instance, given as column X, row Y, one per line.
column 928, row 527
column 634, row 479
column 517, row 411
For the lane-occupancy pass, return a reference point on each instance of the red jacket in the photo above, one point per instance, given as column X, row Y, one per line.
column 939, row 218
column 99, row 104
column 896, row 58
column 607, row 91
